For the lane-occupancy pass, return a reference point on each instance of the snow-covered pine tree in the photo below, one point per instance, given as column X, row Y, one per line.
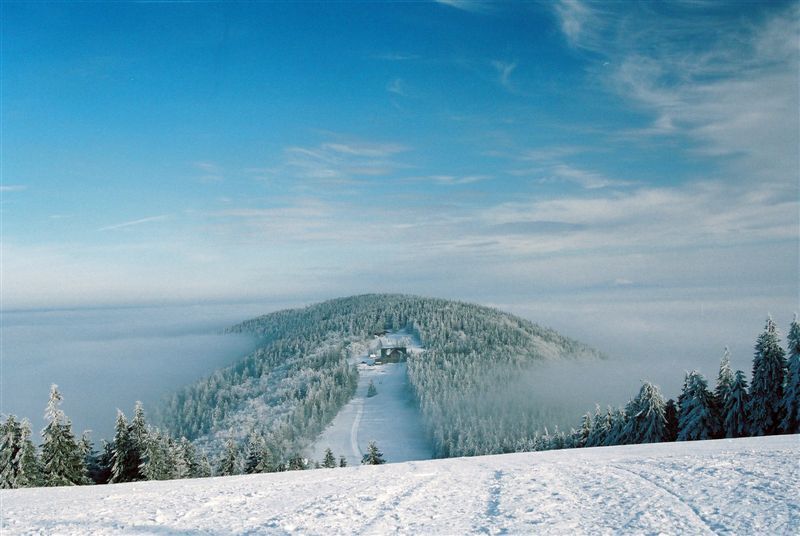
column 615, row 435
column 30, row 471
column 766, row 388
column 90, row 456
column 138, row 439
column 596, row 432
column 697, row 418
column 329, row 462
column 735, row 418
column 724, row 379
column 297, row 463
column 10, row 446
column 646, row 421
column 188, row 458
column 105, row 461
column 204, row 468
column 62, row 460
column 229, row 462
column 791, row 389
column 157, row 460
column 124, row 466
column 254, row 457
column 582, row 436
column 373, row 455
column 671, row 417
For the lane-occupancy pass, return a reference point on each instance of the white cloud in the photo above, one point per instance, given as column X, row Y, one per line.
column 731, row 92
column 340, row 162
column 398, row 87
column 211, row 172
column 473, row 6
column 134, row 222
column 504, row 70
column 578, row 21
column 452, row 180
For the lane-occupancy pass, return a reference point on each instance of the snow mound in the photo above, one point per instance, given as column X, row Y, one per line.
column 738, row 486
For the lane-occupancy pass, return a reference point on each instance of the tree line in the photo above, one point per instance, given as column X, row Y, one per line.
column 769, row 405
column 138, row 452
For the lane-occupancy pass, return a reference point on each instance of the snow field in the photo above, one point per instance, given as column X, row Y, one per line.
column 739, row 486
column 390, row 418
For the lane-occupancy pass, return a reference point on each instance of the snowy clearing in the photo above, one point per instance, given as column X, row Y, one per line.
column 389, row 418
column 740, row 486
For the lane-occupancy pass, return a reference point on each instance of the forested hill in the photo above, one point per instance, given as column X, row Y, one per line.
column 295, row 382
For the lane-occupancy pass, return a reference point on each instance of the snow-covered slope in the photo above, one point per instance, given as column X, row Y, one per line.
column 742, row 486
column 390, row 418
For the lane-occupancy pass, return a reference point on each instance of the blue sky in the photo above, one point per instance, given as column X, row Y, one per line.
column 613, row 163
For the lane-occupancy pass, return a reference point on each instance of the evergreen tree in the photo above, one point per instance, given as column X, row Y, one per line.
column 735, row 418
column 10, row 447
column 646, row 422
column 204, row 467
column 342, row 461
column 616, row 429
column 297, row 463
column 62, row 460
column 791, row 389
column 187, row 456
column 724, row 379
column 229, row 463
column 671, row 418
column 90, row 456
column 157, row 459
column 371, row 390
column 766, row 389
column 329, row 462
column 30, row 470
column 373, row 455
column 124, row 462
column 582, row 436
column 696, row 417
column 254, row 461
column 105, row 461
column 138, row 439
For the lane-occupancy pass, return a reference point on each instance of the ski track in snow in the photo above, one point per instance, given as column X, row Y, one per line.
column 356, row 450
column 742, row 486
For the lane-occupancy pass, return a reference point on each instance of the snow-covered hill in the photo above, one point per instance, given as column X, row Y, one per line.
column 741, row 486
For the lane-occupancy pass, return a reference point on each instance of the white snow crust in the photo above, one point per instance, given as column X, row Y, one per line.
column 736, row 486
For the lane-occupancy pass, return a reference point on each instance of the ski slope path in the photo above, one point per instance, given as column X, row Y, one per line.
column 741, row 486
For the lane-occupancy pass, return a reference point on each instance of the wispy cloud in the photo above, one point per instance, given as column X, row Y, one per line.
column 733, row 95
column 398, row 87
column 341, row 162
column 453, row 180
column 551, row 165
column 134, row 222
column 13, row 188
column 504, row 70
column 473, row 6
column 395, row 56
column 579, row 21
column 211, row 172
column 590, row 180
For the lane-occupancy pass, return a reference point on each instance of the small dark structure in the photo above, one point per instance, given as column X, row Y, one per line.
column 392, row 354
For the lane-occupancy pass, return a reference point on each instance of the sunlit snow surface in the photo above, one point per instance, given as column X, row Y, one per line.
column 742, row 486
